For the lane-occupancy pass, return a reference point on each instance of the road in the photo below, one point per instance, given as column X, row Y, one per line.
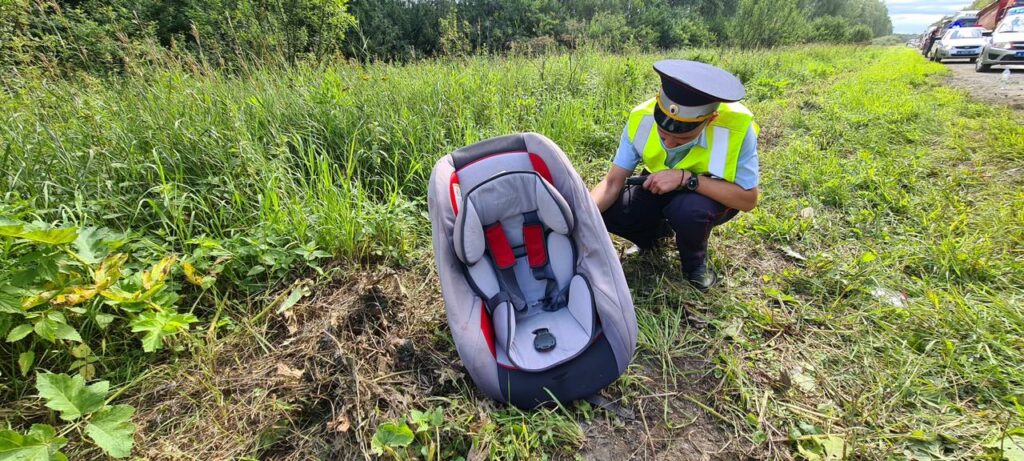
column 989, row 86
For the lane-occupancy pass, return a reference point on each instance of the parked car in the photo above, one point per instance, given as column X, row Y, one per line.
column 959, row 43
column 966, row 18
column 1006, row 46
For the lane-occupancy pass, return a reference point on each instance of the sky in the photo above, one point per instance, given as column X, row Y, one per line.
column 913, row 16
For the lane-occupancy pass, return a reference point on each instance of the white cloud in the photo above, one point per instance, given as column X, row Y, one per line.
column 913, row 16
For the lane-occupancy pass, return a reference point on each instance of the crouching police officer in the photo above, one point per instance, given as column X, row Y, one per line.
column 699, row 151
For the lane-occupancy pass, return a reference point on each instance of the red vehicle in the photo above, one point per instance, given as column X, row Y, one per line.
column 990, row 16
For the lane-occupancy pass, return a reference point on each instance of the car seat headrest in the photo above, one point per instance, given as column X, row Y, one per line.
column 507, row 195
column 483, row 149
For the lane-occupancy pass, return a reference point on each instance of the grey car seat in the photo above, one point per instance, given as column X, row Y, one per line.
column 534, row 293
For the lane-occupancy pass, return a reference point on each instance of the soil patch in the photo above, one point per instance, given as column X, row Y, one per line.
column 989, row 86
column 317, row 381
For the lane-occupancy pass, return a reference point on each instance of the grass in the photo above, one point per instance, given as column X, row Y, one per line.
column 872, row 303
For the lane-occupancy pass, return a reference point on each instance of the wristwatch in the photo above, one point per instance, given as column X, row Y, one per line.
column 689, row 185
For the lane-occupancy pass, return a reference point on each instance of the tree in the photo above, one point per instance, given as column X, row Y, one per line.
column 830, row 29
column 765, row 24
column 860, row 34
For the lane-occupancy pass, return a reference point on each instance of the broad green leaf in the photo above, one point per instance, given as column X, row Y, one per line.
column 427, row 420
column 111, row 429
column 10, row 301
column 296, row 294
column 420, row 419
column 40, row 233
column 54, row 326
column 70, row 396
column 19, row 332
column 40, row 444
column 822, row 448
column 158, row 325
column 90, row 244
column 81, row 351
column 1010, row 448
column 10, row 228
column 25, row 361
column 437, row 417
column 103, row 320
column 391, row 435
column 868, row 257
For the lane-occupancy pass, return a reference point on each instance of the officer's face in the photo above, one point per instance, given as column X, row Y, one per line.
column 672, row 140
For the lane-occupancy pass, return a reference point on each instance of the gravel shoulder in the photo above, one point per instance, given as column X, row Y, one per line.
column 989, row 86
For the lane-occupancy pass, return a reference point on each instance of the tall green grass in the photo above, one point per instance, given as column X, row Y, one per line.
column 337, row 155
column 878, row 184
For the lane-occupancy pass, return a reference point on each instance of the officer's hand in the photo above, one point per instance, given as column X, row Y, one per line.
column 665, row 181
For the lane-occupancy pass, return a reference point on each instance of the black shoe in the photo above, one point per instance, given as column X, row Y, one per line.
column 703, row 279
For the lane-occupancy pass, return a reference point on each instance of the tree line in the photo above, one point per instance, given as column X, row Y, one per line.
column 402, row 28
column 109, row 35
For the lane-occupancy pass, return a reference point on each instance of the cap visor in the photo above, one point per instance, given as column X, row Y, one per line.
column 673, row 126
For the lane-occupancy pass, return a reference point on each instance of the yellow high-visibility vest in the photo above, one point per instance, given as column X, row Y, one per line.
column 724, row 135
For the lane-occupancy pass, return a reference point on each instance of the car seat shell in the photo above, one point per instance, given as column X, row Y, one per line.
column 594, row 329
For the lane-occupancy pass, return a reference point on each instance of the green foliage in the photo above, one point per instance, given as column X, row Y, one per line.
column 111, row 430
column 390, row 437
column 829, row 29
column 157, row 326
column 70, row 396
column 109, row 427
column 768, row 24
column 39, row 444
column 65, row 281
column 860, row 34
column 125, row 36
column 267, row 173
column 122, row 35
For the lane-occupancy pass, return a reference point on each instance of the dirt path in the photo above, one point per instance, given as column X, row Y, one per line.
column 989, row 86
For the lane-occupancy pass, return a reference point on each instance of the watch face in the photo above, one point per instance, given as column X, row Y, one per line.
column 692, row 183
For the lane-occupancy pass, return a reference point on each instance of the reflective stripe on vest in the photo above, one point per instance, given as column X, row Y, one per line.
column 724, row 139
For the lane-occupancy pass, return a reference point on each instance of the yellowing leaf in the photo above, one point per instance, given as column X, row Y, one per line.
column 37, row 299
column 158, row 273
column 109, row 271
column 194, row 278
column 118, row 295
column 77, row 296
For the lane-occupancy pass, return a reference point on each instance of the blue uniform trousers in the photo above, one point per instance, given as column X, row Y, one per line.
column 642, row 218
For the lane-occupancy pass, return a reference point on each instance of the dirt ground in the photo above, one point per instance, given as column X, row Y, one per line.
column 329, row 371
column 989, row 86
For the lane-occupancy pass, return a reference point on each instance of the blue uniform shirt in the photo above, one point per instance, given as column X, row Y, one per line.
column 747, row 169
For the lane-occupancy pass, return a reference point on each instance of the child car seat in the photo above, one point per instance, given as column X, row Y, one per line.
column 534, row 293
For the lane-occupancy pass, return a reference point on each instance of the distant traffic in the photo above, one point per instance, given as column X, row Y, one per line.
column 993, row 36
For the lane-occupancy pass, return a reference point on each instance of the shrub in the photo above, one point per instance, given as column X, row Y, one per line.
column 860, row 34
column 829, row 29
